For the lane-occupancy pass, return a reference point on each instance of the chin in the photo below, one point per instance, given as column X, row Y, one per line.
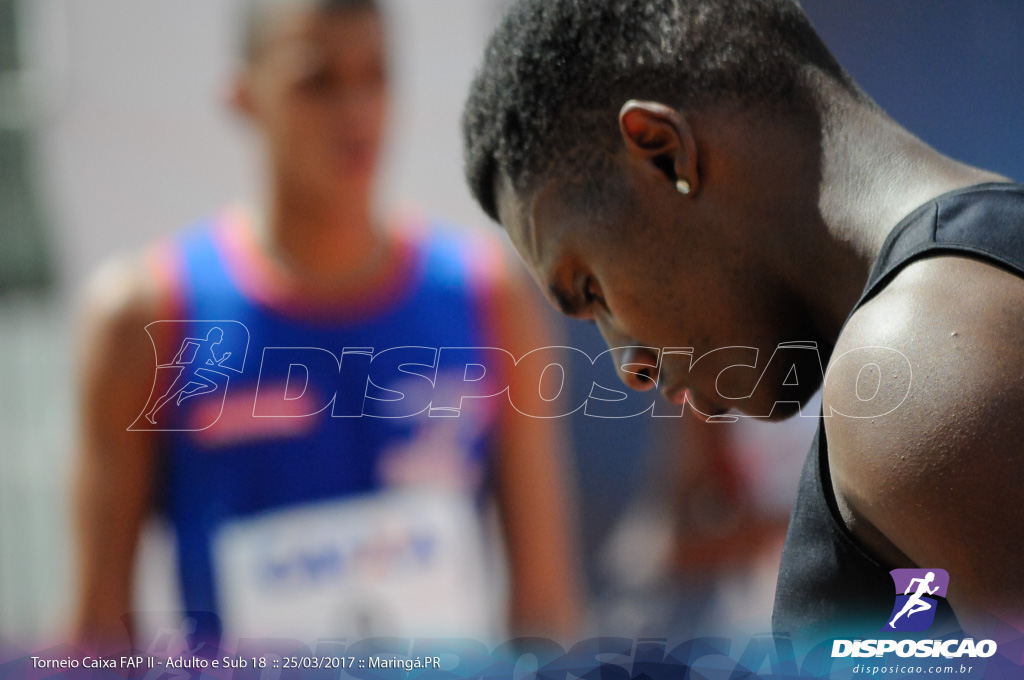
column 779, row 404
column 784, row 411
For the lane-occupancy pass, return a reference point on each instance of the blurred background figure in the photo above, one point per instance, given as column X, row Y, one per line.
column 699, row 553
column 111, row 137
column 297, row 508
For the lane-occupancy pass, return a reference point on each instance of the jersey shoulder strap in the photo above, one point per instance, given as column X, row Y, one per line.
column 985, row 220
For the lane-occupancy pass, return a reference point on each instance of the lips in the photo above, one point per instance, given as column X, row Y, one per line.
column 676, row 395
column 701, row 407
column 356, row 156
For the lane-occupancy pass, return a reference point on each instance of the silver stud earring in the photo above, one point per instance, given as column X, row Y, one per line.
column 683, row 187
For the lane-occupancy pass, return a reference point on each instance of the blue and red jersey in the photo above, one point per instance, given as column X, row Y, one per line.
column 435, row 294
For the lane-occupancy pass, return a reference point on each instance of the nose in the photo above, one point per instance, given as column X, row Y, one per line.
column 358, row 106
column 637, row 366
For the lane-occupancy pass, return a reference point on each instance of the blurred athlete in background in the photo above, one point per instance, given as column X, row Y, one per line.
column 314, row 525
column 698, row 553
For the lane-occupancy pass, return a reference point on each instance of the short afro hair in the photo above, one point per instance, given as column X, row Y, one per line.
column 556, row 73
column 259, row 14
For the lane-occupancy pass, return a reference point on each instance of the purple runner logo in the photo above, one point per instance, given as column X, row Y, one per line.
column 916, row 592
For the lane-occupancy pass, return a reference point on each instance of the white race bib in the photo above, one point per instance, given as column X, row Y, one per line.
column 404, row 563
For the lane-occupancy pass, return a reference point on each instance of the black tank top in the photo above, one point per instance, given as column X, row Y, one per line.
column 829, row 586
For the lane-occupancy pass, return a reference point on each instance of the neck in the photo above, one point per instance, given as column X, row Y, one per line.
column 320, row 240
column 873, row 174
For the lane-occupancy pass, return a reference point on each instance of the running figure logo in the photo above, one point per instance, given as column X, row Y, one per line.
column 914, row 609
column 208, row 352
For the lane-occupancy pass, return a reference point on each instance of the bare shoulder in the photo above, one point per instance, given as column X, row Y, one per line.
column 116, row 354
column 934, row 478
column 120, row 294
column 115, row 470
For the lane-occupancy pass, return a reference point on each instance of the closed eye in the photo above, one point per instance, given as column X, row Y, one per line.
column 566, row 302
column 592, row 295
column 580, row 302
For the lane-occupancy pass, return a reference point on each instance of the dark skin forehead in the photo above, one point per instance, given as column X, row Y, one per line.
column 562, row 234
column 514, row 215
column 516, row 211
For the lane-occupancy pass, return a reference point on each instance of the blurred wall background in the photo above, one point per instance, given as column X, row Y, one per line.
column 952, row 72
column 122, row 112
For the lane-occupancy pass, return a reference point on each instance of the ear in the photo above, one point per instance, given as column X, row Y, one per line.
column 660, row 138
column 240, row 96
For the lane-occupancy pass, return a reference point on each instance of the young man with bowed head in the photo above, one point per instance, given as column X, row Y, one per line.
column 703, row 174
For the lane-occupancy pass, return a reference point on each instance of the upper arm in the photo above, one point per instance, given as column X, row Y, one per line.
column 114, row 466
column 116, row 356
column 937, row 482
column 531, row 475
